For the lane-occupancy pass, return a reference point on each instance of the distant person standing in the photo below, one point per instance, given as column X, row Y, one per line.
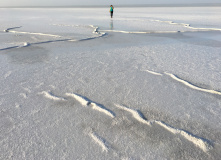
column 111, row 10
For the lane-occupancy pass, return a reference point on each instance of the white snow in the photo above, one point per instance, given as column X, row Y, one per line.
column 51, row 96
column 192, row 86
column 160, row 63
column 201, row 143
column 135, row 114
column 155, row 73
column 100, row 141
column 86, row 102
column 80, row 99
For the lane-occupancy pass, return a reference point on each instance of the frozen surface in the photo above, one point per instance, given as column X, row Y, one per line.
column 76, row 84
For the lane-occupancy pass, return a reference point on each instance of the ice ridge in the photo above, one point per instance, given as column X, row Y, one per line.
column 203, row 144
column 86, row 102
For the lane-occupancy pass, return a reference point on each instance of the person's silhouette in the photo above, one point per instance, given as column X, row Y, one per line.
column 111, row 10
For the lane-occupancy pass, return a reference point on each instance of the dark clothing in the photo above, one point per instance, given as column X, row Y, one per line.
column 111, row 12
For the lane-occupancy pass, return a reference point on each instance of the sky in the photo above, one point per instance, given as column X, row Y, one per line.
column 97, row 2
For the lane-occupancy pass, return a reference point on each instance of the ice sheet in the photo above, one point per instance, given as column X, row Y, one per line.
column 76, row 84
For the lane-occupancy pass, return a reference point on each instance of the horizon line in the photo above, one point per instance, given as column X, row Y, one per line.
column 121, row 5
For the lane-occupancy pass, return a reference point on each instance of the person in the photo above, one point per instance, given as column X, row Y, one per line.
column 111, row 10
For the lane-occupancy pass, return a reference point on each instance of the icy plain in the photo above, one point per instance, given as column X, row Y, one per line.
column 76, row 84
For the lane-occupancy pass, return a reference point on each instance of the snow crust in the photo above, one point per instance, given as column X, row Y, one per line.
column 76, row 84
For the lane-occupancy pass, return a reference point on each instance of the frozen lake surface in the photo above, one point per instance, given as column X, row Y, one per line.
column 76, row 84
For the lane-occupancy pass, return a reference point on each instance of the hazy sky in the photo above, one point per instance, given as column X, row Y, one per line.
column 96, row 2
